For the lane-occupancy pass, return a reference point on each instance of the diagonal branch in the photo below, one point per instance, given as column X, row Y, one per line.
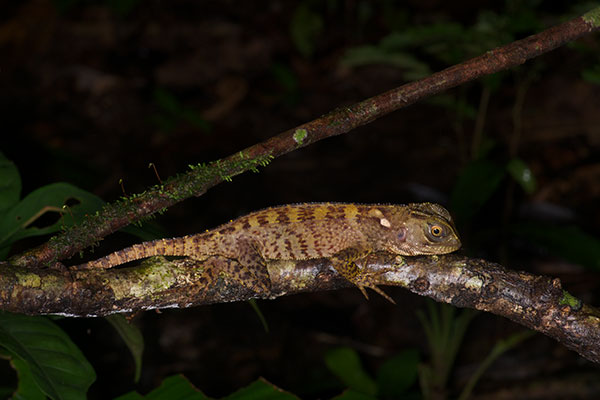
column 536, row 302
column 342, row 120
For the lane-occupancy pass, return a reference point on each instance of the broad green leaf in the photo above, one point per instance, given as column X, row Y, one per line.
column 28, row 389
column 476, row 183
column 132, row 337
column 57, row 365
column 397, row 374
column 17, row 224
column 10, row 185
column 412, row 68
column 354, row 395
column 175, row 387
column 259, row 390
column 131, row 396
column 345, row 364
column 522, row 174
column 569, row 242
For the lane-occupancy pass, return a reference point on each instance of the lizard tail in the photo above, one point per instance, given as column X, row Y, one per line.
column 160, row 247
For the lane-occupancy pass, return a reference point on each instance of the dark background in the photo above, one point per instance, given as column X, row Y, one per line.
column 94, row 91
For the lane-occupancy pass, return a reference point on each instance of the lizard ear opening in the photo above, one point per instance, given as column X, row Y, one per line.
column 402, row 235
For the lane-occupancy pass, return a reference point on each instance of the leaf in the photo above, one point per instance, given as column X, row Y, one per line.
column 132, row 337
column 568, row 242
column 499, row 348
column 475, row 185
column 28, row 389
column 176, row 387
column 398, row 374
column 50, row 198
column 345, row 364
column 592, row 74
column 172, row 388
column 167, row 101
column 57, row 365
column 259, row 390
column 522, row 174
column 10, row 185
column 354, row 395
column 259, row 314
column 412, row 67
column 305, row 28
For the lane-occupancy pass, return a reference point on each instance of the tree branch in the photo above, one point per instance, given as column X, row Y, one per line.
column 536, row 302
column 197, row 181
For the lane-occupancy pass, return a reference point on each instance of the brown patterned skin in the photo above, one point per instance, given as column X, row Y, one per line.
column 345, row 233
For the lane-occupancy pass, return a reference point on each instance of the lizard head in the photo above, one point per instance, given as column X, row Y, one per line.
column 419, row 229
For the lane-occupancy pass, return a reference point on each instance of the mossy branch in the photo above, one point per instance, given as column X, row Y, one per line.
column 342, row 120
column 536, row 302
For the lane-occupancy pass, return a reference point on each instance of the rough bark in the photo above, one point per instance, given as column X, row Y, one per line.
column 536, row 302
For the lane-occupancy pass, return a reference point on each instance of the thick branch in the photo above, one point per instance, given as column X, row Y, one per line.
column 536, row 302
column 339, row 121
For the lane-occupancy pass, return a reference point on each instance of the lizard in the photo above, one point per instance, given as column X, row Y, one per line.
column 343, row 232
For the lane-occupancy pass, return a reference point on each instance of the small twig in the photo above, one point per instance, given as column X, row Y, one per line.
column 155, row 172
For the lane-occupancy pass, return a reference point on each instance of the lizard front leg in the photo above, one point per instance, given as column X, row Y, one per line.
column 344, row 263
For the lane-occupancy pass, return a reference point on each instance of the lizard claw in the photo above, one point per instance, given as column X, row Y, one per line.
column 375, row 289
column 363, row 291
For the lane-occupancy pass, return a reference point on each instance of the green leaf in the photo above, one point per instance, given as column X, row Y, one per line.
column 305, row 28
column 167, row 101
column 354, row 395
column 568, row 242
column 522, row 174
column 398, row 374
column 57, row 365
column 499, row 348
column 345, row 364
column 476, row 183
column 132, row 337
column 462, row 108
column 259, row 390
column 17, row 224
column 592, row 74
column 28, row 389
column 194, row 118
column 175, row 387
column 412, row 67
column 10, row 185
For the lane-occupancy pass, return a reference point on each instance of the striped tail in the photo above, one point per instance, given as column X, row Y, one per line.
column 160, row 247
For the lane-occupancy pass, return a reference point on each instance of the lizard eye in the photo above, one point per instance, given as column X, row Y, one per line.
column 436, row 230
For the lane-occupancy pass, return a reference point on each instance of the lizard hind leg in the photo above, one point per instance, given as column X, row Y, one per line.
column 252, row 267
column 344, row 263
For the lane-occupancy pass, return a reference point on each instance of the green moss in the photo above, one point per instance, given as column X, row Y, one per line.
column 300, row 135
column 592, row 17
column 155, row 275
column 570, row 300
